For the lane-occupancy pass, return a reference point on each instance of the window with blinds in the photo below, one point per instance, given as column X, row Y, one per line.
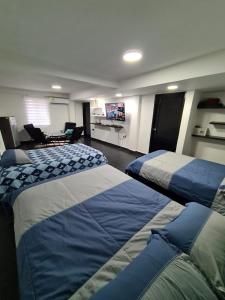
column 37, row 110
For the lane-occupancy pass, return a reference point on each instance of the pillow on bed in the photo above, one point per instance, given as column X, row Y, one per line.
column 14, row 157
column 161, row 271
column 200, row 232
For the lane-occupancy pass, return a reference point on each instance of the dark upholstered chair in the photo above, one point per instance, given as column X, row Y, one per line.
column 37, row 135
column 76, row 135
column 30, row 129
column 69, row 125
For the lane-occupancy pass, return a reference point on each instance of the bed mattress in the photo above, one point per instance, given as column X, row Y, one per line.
column 48, row 163
column 188, row 177
column 73, row 238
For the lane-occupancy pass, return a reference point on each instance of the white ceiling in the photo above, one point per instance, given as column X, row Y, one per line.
column 209, row 83
column 87, row 38
column 39, row 82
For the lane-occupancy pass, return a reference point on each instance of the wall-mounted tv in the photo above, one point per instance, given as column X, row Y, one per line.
column 115, row 111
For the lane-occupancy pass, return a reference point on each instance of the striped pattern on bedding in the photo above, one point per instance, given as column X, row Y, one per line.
column 73, row 238
column 188, row 177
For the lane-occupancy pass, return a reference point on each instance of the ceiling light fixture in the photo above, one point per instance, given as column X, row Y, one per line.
column 132, row 56
column 172, row 87
column 56, row 87
column 119, row 95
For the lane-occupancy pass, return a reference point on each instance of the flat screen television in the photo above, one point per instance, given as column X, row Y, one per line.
column 115, row 111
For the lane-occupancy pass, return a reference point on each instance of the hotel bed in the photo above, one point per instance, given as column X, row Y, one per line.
column 182, row 177
column 72, row 237
column 47, row 163
column 182, row 261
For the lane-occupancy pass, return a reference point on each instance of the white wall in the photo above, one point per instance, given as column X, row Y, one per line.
column 12, row 104
column 2, row 146
column 146, row 115
column 59, row 114
column 212, row 150
column 78, row 113
column 186, row 144
column 137, row 128
column 126, row 137
column 204, row 116
column 188, row 122
column 186, row 127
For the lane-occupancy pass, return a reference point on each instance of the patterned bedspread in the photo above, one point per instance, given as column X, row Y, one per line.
column 62, row 152
column 49, row 163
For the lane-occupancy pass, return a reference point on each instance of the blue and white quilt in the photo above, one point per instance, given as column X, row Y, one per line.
column 199, row 232
column 49, row 163
column 73, row 238
column 160, row 272
column 191, row 178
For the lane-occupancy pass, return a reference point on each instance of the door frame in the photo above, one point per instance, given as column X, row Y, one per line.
column 87, row 119
column 154, row 117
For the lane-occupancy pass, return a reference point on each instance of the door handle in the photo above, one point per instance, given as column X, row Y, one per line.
column 154, row 129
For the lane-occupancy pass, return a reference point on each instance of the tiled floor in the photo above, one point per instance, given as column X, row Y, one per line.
column 118, row 158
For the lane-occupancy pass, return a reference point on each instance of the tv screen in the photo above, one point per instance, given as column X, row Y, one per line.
column 115, row 111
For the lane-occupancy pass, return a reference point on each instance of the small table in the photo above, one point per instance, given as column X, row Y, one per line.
column 57, row 137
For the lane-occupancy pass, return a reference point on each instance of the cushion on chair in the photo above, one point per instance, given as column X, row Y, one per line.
column 69, row 132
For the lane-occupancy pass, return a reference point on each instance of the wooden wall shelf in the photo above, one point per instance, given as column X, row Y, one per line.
column 213, row 107
column 112, row 125
column 217, row 123
column 210, row 137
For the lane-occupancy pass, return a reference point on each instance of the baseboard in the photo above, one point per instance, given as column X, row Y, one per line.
column 119, row 147
column 140, row 153
column 26, row 142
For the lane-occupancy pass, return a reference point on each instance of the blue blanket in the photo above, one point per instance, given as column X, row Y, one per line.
column 49, row 163
column 191, row 178
column 161, row 271
column 73, row 238
column 199, row 232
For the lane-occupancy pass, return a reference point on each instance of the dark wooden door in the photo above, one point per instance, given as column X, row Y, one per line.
column 86, row 119
column 167, row 116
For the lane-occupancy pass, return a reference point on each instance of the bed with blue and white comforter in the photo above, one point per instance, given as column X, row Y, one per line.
column 73, row 238
column 182, row 261
column 187, row 177
column 48, row 163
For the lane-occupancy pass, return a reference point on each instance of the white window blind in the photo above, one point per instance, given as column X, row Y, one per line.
column 37, row 110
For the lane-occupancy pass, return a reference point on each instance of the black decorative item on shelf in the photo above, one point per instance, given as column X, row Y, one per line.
column 210, row 103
